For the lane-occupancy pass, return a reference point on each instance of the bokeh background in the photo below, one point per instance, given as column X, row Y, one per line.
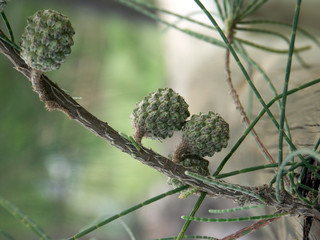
column 64, row 177
column 57, row 172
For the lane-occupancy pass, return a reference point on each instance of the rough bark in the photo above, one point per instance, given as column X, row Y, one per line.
column 56, row 99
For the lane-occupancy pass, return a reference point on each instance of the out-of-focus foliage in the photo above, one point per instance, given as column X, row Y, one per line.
column 57, row 172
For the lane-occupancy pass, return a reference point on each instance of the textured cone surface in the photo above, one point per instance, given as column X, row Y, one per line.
column 160, row 113
column 193, row 163
column 206, row 134
column 47, row 40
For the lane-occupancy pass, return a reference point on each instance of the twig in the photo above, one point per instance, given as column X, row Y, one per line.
column 17, row 213
column 253, row 227
column 285, row 87
column 238, row 103
column 239, row 106
column 193, row 212
column 56, row 99
column 90, row 229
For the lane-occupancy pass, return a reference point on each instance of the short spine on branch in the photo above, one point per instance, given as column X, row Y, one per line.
column 159, row 114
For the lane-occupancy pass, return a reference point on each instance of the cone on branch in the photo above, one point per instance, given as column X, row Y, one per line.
column 46, row 42
column 159, row 114
column 203, row 135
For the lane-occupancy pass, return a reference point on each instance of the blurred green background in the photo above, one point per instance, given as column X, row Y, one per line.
column 58, row 173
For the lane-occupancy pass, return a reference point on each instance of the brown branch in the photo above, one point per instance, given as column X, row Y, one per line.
column 56, row 99
column 240, row 108
column 238, row 104
column 250, row 229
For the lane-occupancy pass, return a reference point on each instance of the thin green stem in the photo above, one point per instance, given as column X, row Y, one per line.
column 130, row 138
column 219, row 9
column 134, row 143
column 317, row 144
column 305, row 164
column 187, row 17
column 216, row 211
column 269, row 49
column 127, row 229
column 315, row 202
column 200, row 36
column 236, row 99
column 250, row 169
column 254, row 122
column 309, row 152
column 240, row 219
column 314, row 170
column 8, row 26
column 6, row 235
column 305, row 169
column 235, row 56
column 17, row 213
column 285, row 86
column 225, row 8
column 193, row 212
column 220, row 184
column 181, row 17
column 136, row 5
column 307, row 188
column 6, row 40
column 270, row 84
column 125, row 212
column 188, row 237
column 302, row 31
column 252, row 7
column 263, row 31
column 237, row 5
column 295, row 189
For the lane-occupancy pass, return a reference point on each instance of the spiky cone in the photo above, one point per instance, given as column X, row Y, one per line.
column 159, row 114
column 46, row 42
column 203, row 135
